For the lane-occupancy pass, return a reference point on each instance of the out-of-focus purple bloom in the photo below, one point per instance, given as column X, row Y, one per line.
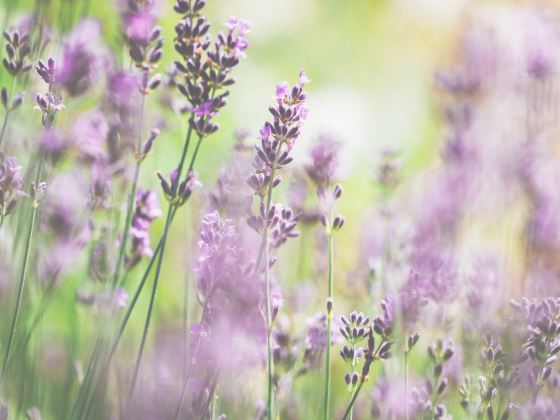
column 11, row 181
column 89, row 133
column 324, row 160
column 147, row 210
column 53, row 144
column 111, row 301
column 82, row 58
column 236, row 41
column 64, row 211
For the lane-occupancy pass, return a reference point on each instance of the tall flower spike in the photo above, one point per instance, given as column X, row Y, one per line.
column 204, row 72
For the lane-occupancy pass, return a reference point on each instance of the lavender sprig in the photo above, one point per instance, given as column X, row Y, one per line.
column 356, row 330
column 17, row 49
column 277, row 140
column 37, row 193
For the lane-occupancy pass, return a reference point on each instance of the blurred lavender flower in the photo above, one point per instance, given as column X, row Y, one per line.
column 324, row 160
column 82, row 60
column 11, row 181
column 17, row 49
column 147, row 210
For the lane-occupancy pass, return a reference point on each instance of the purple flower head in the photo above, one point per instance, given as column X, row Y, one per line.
column 147, row 210
column 138, row 27
column 82, row 58
column 63, row 213
column 17, row 49
column 53, row 144
column 383, row 324
column 282, row 90
column 89, row 132
column 49, row 104
column 236, row 41
column 205, row 110
column 324, row 160
column 277, row 139
column 11, row 181
column 47, row 71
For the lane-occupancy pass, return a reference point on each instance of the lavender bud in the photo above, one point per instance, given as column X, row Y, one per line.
column 347, row 378
column 154, row 82
column 149, row 143
column 38, row 192
column 337, row 191
column 442, row 386
column 412, row 340
column 546, row 373
column 338, row 223
column 355, row 378
column 4, row 97
column 18, row 100
column 329, row 305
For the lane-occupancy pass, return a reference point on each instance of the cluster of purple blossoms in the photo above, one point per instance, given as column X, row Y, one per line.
column 83, row 57
column 277, row 140
column 204, row 72
column 17, row 49
column 11, row 182
column 51, row 102
column 542, row 340
column 324, row 160
column 147, row 210
column 144, row 40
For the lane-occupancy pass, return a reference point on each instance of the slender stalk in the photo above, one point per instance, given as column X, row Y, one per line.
column 127, row 223
column 363, row 379
column 20, row 289
column 348, row 412
column 353, row 367
column 150, row 306
column 326, row 402
column 406, row 415
column 264, row 250
column 131, row 199
column 270, row 358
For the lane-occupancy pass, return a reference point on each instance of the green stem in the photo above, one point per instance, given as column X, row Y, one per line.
column 407, row 415
column 20, row 289
column 150, row 306
column 131, row 199
column 326, row 402
column 265, row 250
column 348, row 412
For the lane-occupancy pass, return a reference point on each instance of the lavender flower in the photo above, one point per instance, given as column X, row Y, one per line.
column 205, row 67
column 11, row 181
column 147, row 210
column 17, row 49
column 82, row 59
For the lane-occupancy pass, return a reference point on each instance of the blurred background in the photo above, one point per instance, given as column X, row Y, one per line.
column 373, row 66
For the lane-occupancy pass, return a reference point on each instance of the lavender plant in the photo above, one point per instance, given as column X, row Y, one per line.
column 458, row 225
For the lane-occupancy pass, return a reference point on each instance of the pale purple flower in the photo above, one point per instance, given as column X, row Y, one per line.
column 83, row 58
column 11, row 181
column 146, row 211
column 324, row 159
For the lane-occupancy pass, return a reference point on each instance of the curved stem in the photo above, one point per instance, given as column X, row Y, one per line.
column 20, row 290
column 326, row 402
column 127, row 223
column 131, row 199
column 406, row 409
column 348, row 411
